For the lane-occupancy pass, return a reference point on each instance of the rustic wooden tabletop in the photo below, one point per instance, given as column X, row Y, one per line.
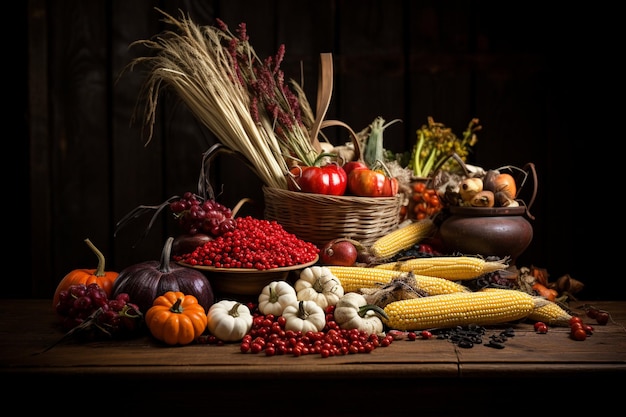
column 435, row 371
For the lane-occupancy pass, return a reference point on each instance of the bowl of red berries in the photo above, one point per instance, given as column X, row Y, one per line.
column 254, row 253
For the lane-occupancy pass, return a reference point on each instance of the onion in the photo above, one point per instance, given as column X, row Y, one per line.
column 505, row 183
column 469, row 187
column 483, row 199
column 503, row 200
column 489, row 181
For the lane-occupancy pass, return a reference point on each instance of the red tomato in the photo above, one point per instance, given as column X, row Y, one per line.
column 369, row 183
column 391, row 187
column 330, row 179
column 352, row 165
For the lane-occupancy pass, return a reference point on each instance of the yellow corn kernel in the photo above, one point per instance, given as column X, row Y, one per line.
column 484, row 307
column 449, row 267
column 402, row 238
column 549, row 312
column 353, row 278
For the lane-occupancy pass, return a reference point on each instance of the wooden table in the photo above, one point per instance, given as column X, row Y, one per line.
column 421, row 377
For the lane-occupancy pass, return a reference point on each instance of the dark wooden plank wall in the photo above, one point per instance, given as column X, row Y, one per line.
column 518, row 67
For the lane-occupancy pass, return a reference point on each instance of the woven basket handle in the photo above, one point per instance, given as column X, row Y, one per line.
column 324, row 95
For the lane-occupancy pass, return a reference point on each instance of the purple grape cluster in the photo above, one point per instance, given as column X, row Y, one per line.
column 87, row 307
column 195, row 215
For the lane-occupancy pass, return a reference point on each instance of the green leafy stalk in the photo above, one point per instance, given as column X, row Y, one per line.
column 374, row 149
column 418, row 169
column 435, row 145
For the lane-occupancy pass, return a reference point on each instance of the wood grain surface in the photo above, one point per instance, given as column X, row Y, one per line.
column 432, row 376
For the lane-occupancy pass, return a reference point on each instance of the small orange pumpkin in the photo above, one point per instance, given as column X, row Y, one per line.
column 176, row 318
column 104, row 279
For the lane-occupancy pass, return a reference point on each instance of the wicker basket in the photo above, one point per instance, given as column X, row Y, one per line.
column 318, row 218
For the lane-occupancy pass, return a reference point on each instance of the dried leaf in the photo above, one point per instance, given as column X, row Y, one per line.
column 540, row 274
column 402, row 287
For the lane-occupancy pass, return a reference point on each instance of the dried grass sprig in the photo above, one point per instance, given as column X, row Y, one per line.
column 242, row 100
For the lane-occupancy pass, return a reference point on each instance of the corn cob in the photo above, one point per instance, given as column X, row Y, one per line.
column 549, row 312
column 483, row 308
column 353, row 278
column 402, row 238
column 449, row 267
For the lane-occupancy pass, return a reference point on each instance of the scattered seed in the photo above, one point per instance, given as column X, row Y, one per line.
column 493, row 344
column 465, row 343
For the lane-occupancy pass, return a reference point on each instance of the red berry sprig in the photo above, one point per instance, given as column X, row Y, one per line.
column 579, row 330
column 600, row 316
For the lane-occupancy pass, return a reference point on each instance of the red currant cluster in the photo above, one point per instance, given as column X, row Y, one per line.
column 600, row 316
column 254, row 243
column 578, row 329
column 268, row 335
column 540, row 327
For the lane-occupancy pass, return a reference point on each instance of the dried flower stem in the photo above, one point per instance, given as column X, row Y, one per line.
column 436, row 143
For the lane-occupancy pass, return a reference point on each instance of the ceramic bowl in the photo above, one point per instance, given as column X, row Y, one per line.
column 244, row 281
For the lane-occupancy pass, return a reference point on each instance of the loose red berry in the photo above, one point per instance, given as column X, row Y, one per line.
column 575, row 319
column 577, row 325
column 578, row 334
column 602, row 317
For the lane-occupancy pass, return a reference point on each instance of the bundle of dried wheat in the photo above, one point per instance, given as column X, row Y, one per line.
column 241, row 99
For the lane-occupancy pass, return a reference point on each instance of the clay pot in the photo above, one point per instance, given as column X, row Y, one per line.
column 495, row 231
column 499, row 231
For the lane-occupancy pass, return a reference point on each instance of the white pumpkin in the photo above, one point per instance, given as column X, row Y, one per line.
column 353, row 312
column 318, row 284
column 229, row 320
column 275, row 296
column 305, row 316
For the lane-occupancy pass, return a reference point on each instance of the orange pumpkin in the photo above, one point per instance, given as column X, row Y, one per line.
column 176, row 318
column 104, row 279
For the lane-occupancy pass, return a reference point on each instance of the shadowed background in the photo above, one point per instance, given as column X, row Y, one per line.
column 535, row 77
